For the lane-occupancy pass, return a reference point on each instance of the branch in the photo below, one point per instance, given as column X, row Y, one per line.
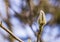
column 7, row 30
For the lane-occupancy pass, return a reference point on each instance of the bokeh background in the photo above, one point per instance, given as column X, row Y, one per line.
column 20, row 16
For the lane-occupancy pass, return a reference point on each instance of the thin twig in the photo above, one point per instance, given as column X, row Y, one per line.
column 39, row 34
column 7, row 30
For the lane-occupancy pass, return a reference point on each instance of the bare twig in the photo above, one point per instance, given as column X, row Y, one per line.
column 7, row 30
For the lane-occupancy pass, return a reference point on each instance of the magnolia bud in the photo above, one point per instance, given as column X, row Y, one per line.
column 42, row 18
column 0, row 21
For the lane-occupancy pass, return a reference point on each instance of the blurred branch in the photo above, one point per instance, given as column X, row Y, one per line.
column 7, row 30
column 7, row 21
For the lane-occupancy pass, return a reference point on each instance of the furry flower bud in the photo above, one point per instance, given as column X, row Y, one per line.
column 42, row 18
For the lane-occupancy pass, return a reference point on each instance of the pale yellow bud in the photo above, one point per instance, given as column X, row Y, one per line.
column 0, row 22
column 29, row 40
column 42, row 18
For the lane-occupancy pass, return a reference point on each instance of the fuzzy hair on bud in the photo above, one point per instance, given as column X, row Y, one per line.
column 42, row 18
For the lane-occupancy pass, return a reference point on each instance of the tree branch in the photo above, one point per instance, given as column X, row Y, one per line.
column 7, row 30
